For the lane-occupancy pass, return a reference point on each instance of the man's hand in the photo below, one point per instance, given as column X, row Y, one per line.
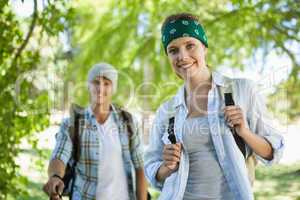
column 54, row 188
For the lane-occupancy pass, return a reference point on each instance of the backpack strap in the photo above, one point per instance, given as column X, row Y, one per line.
column 128, row 120
column 171, row 133
column 250, row 159
column 76, row 127
column 227, row 97
column 238, row 140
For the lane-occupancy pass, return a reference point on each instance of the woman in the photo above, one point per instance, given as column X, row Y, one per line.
column 206, row 162
column 108, row 167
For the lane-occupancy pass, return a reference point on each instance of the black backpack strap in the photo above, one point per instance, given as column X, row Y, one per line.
column 76, row 127
column 171, row 132
column 238, row 140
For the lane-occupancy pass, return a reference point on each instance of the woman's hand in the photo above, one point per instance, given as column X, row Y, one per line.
column 235, row 118
column 171, row 159
column 171, row 156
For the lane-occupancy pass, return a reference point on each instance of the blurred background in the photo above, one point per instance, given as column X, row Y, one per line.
column 47, row 47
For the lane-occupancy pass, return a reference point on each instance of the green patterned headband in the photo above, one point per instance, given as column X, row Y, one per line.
column 182, row 28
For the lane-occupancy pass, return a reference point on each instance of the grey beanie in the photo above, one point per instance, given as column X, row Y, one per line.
column 106, row 70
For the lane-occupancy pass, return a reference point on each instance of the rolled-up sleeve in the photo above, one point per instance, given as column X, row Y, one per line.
column 137, row 150
column 262, row 124
column 63, row 146
column 153, row 156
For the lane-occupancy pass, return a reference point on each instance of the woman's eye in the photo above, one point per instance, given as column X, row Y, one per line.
column 172, row 51
column 190, row 46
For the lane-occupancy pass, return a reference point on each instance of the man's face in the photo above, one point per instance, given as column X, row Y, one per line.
column 101, row 90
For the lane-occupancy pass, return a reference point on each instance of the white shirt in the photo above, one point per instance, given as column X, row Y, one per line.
column 112, row 181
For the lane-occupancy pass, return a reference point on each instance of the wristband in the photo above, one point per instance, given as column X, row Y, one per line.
column 57, row 176
column 56, row 188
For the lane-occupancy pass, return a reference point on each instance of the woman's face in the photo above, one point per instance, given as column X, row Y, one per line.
column 101, row 91
column 187, row 56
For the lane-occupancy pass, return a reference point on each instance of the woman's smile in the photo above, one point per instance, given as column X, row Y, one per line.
column 185, row 65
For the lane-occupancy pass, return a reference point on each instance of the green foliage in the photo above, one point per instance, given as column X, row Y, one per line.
column 24, row 98
column 126, row 33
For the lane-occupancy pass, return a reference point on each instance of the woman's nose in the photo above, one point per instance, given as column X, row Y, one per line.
column 182, row 55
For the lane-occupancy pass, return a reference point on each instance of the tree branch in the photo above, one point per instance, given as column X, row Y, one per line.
column 286, row 34
column 25, row 42
column 232, row 13
column 29, row 34
column 296, row 65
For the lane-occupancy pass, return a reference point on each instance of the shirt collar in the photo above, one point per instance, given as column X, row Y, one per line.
column 91, row 113
column 217, row 80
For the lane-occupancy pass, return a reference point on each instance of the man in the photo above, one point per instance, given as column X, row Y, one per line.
column 108, row 153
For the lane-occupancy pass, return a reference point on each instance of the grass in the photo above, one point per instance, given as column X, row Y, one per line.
column 280, row 182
